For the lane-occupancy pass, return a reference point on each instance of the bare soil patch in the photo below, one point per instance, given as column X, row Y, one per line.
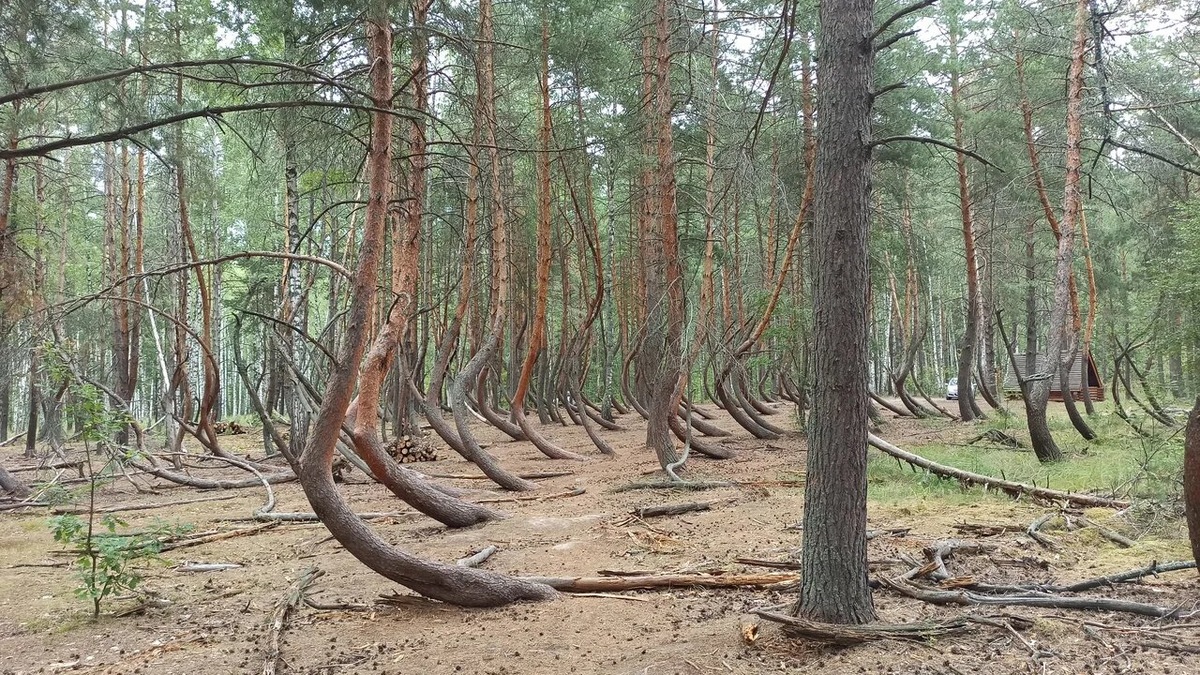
column 215, row 622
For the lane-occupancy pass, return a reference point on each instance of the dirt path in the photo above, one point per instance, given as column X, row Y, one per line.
column 215, row 622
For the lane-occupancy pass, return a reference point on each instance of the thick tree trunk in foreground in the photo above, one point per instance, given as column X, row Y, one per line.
column 1191, row 478
column 834, row 586
column 450, row 583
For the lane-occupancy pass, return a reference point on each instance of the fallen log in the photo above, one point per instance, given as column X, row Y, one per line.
column 671, row 509
column 657, row 581
column 533, row 498
column 1153, row 569
column 1031, row 599
column 970, row 478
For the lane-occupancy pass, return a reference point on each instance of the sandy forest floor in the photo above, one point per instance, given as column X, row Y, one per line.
column 216, row 622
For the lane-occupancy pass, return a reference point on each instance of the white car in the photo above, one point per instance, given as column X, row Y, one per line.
column 952, row 389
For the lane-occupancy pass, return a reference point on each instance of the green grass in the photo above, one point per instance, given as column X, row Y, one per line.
column 1119, row 462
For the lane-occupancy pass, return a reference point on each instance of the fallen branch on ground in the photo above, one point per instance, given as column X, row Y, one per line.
column 850, row 635
column 1034, row 531
column 706, row 485
column 117, row 508
column 477, row 559
column 1111, row 535
column 1153, row 569
column 310, row 517
column 656, row 581
column 671, row 509
column 1032, row 599
column 220, row 536
column 533, row 498
column 291, row 598
column 527, row 476
column 969, row 478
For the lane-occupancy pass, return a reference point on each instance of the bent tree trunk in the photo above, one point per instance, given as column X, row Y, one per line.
column 1043, row 442
column 450, row 583
column 834, row 585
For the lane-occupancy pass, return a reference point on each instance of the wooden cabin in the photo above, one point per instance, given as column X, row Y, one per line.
column 1082, row 370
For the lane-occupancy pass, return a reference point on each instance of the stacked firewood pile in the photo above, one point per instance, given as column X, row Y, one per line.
column 406, row 449
column 230, row 428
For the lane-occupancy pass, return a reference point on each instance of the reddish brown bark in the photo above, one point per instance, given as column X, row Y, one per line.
column 450, row 583
column 537, row 337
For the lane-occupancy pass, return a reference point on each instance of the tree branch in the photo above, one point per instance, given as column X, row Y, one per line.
column 155, row 67
column 1149, row 153
column 900, row 14
column 210, row 112
column 894, row 39
column 932, row 141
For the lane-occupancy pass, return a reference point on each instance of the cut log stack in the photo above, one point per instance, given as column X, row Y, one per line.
column 407, row 449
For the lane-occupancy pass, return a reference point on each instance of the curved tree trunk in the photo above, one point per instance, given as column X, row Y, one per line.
column 1064, row 386
column 490, row 414
column 450, row 583
column 738, row 414
column 660, row 365
column 537, row 337
column 1044, row 445
column 471, row 449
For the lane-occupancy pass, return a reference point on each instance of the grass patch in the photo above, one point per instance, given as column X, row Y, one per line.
column 1118, row 463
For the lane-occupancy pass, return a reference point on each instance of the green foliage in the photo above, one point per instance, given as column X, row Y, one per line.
column 104, row 562
column 1121, row 464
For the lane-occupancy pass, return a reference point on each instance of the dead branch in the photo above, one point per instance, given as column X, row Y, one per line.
column 478, row 558
column 1177, row 647
column 850, row 635
column 671, row 509
column 533, row 498
column 527, row 476
column 117, row 508
column 1153, row 569
column 1111, row 535
column 1031, row 599
column 770, row 564
column 969, row 478
column 1034, row 531
column 209, row 538
column 291, row 598
column 659, row 581
column 276, row 517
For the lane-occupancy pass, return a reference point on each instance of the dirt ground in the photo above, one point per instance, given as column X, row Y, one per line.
column 216, row 622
